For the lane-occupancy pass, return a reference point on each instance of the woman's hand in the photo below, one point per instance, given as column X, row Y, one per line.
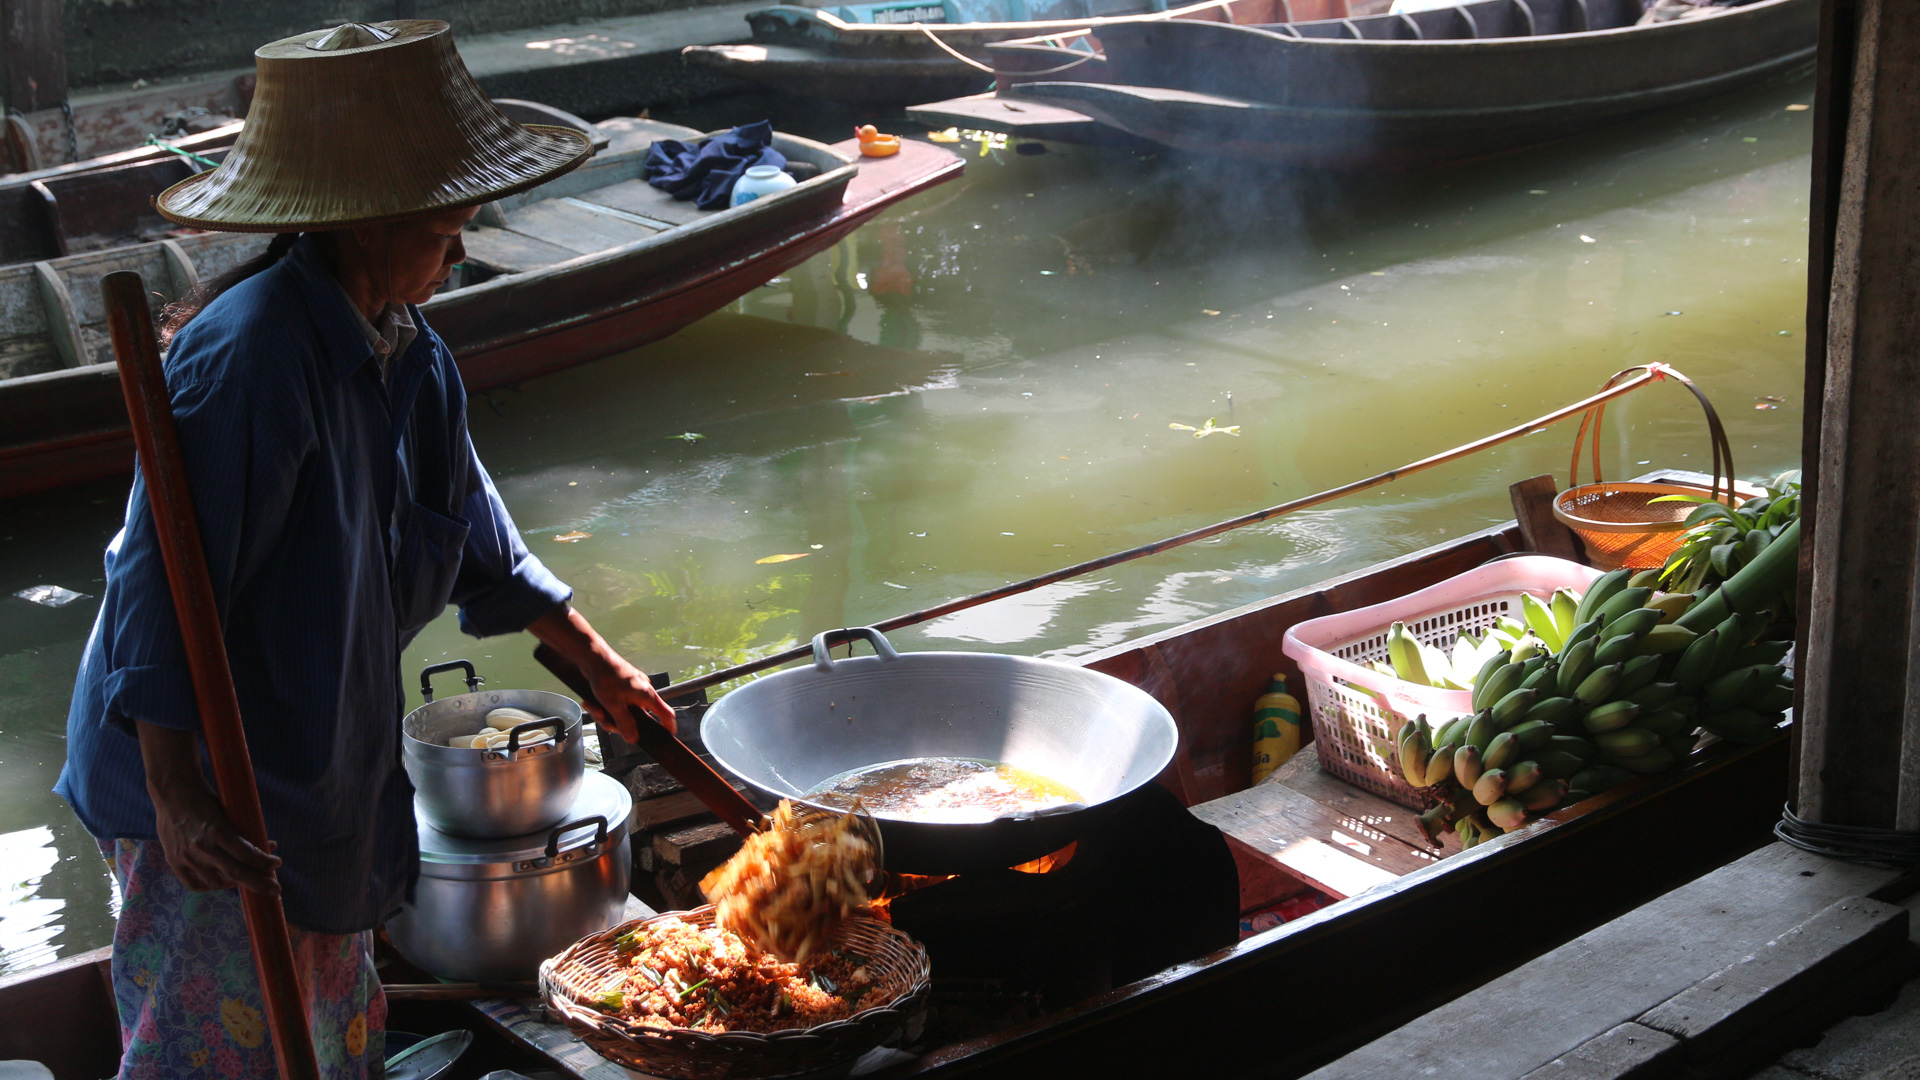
column 618, row 685
column 204, row 849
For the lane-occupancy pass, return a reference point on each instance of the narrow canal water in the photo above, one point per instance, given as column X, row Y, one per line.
column 1020, row 370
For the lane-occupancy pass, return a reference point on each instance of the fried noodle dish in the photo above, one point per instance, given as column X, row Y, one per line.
column 678, row 975
column 789, row 886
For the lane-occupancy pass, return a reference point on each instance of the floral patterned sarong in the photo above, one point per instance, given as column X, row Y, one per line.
column 188, row 996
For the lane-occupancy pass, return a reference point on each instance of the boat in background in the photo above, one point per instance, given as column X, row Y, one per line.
column 898, row 52
column 1397, row 92
column 592, row 263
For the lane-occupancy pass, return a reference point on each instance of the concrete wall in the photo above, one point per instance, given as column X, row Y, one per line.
column 119, row 40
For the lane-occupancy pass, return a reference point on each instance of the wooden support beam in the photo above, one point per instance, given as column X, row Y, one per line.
column 33, row 54
column 1860, row 708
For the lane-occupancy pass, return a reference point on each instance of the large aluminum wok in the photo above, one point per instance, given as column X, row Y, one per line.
column 788, row 732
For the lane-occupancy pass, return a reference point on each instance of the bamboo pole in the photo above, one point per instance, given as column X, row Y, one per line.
column 151, row 409
column 1619, row 386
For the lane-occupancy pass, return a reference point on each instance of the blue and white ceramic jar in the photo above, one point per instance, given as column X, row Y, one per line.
column 760, row 180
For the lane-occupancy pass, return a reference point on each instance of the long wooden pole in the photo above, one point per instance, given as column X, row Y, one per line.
column 1626, row 384
column 178, row 528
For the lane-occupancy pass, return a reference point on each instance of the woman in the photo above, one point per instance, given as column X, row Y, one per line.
column 341, row 507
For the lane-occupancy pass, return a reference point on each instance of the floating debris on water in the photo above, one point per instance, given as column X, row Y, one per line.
column 780, row 558
column 573, row 537
column 50, row 595
column 688, row 436
column 1585, row 239
column 1210, row 428
column 1798, row 108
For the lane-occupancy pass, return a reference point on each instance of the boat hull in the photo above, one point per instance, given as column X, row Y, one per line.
column 813, row 53
column 69, row 426
column 1245, row 92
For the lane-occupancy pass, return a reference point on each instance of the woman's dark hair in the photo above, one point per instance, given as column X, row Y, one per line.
column 181, row 312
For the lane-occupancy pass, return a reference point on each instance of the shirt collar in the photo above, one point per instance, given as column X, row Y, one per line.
column 338, row 320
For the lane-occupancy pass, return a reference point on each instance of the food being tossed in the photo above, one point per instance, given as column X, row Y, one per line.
column 679, row 975
column 790, row 885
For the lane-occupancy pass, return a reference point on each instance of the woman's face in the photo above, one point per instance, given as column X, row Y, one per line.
column 413, row 257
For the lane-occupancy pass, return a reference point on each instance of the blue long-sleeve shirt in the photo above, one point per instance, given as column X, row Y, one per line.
column 340, row 514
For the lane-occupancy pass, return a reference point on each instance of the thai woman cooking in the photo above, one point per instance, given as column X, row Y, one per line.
column 342, row 508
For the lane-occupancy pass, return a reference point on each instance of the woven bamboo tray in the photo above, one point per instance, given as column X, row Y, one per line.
column 571, row 981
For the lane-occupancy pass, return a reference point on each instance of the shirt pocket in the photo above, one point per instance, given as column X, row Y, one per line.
column 429, row 560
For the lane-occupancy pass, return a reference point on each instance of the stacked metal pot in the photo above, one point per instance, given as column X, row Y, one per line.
column 523, row 851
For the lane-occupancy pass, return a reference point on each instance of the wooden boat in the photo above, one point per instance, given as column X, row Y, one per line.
column 106, row 201
column 591, row 264
column 1215, row 1015
column 1403, row 91
column 897, row 52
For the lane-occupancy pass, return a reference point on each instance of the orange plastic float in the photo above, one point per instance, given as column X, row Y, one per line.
column 875, row 144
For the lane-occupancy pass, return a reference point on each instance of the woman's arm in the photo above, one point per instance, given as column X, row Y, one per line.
column 617, row 684
column 204, row 849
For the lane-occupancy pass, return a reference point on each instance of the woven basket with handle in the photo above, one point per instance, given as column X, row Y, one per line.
column 572, row 981
column 1618, row 523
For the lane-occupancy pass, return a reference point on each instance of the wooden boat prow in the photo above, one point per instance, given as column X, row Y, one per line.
column 903, row 51
column 1403, row 92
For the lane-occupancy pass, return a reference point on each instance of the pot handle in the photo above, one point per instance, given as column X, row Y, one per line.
column 427, row 673
column 553, row 839
column 557, row 723
column 826, row 640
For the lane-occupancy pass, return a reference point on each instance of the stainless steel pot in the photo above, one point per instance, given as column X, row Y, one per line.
column 492, row 910
column 491, row 793
column 790, row 731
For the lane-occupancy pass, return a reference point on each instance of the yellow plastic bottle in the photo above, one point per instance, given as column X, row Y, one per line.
column 1276, row 728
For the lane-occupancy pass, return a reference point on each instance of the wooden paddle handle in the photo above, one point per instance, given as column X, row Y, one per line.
column 177, row 527
column 683, row 764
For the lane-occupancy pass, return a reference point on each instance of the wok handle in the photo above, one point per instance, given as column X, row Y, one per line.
column 827, row 639
column 682, row 764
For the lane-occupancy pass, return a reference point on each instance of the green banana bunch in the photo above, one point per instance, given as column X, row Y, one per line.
column 1540, row 620
column 1403, row 652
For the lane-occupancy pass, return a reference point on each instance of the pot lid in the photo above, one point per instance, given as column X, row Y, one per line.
column 601, row 796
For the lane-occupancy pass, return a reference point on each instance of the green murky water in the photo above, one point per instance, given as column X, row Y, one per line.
column 981, row 386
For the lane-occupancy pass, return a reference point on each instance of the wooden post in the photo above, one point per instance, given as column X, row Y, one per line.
column 33, row 54
column 1860, row 687
column 1539, row 529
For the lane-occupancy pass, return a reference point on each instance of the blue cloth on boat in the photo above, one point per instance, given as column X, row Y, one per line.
column 705, row 172
column 340, row 513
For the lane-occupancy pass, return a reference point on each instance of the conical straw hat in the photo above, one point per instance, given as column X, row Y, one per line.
column 366, row 123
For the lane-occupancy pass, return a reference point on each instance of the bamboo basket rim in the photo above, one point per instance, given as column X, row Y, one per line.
column 1572, row 495
column 686, row 1052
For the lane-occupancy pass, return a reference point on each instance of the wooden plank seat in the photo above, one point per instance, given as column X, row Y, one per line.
column 1318, row 831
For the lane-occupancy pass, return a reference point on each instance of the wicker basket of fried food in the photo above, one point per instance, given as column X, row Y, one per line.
column 788, row 972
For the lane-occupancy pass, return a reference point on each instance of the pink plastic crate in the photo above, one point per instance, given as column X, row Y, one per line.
column 1331, row 651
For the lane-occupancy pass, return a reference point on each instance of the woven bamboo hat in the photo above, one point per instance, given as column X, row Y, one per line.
column 366, row 123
